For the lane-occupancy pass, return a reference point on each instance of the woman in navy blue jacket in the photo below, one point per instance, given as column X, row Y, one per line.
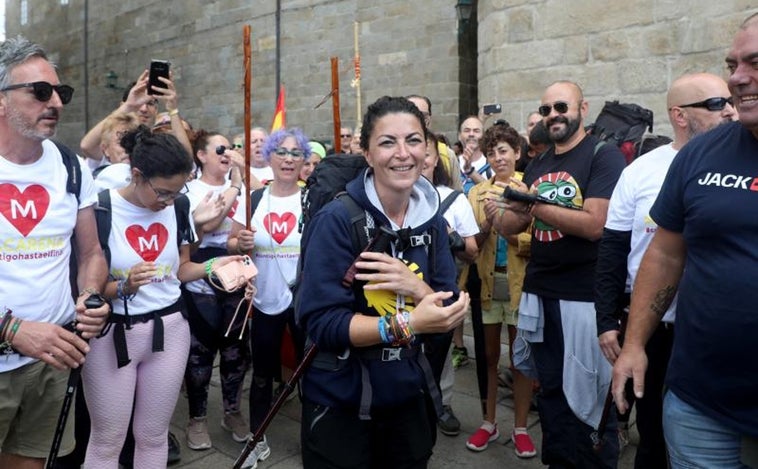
column 367, row 397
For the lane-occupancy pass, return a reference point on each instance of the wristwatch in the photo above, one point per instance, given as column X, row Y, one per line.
column 470, row 171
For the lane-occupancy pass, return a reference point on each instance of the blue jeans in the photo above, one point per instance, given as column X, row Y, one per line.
column 695, row 440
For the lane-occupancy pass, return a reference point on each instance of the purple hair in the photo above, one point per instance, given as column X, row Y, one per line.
column 276, row 138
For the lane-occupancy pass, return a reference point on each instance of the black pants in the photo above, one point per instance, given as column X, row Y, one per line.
column 266, row 334
column 651, row 452
column 395, row 437
column 566, row 441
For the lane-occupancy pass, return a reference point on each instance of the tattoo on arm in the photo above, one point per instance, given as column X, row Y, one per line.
column 662, row 300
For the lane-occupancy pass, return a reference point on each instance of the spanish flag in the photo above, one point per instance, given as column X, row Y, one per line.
column 280, row 113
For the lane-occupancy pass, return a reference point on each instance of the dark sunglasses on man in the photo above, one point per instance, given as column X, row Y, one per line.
column 43, row 90
column 712, row 104
column 561, row 107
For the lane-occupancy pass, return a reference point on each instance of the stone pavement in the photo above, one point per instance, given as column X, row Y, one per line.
column 450, row 452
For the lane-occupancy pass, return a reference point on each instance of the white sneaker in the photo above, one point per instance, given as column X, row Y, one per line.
column 260, row 453
column 197, row 434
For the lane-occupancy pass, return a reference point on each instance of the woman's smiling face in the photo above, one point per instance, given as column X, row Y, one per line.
column 396, row 151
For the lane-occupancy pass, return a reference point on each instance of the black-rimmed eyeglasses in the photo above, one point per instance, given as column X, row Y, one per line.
column 295, row 153
column 164, row 196
column 561, row 107
column 43, row 90
column 712, row 104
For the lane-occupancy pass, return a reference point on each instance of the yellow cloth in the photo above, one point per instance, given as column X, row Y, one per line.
column 485, row 261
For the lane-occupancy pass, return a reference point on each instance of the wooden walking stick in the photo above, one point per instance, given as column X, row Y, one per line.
column 336, row 104
column 357, row 80
column 248, row 77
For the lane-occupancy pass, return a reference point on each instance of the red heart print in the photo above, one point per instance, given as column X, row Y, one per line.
column 24, row 210
column 279, row 226
column 148, row 243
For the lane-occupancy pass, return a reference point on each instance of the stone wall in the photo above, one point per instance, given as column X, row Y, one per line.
column 406, row 47
column 626, row 50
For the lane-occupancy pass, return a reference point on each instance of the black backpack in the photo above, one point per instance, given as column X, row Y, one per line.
column 623, row 124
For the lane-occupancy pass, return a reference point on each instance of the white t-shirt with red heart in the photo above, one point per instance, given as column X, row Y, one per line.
column 37, row 219
column 218, row 237
column 277, row 249
column 139, row 234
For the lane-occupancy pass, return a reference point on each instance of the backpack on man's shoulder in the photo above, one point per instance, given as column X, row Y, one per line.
column 623, row 124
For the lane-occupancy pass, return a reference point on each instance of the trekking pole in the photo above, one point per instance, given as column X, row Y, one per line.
column 93, row 302
column 289, row 386
column 336, row 121
column 597, row 435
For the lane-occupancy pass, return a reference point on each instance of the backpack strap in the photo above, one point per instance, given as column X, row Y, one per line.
column 255, row 199
column 445, row 204
column 359, row 220
column 74, row 171
column 183, row 225
column 103, row 220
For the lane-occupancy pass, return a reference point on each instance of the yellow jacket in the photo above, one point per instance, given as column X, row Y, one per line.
column 485, row 261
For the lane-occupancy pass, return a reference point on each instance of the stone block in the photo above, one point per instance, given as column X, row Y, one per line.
column 580, row 17
column 643, row 76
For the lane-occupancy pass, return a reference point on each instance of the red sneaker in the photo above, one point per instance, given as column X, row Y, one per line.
column 523, row 445
column 481, row 439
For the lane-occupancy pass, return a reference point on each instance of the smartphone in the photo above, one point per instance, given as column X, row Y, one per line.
column 488, row 109
column 158, row 68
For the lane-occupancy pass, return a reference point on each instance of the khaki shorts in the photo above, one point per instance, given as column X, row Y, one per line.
column 500, row 312
column 30, row 403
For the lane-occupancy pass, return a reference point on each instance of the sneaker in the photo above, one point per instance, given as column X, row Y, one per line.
column 460, row 357
column 523, row 445
column 197, row 434
column 174, row 449
column 260, row 453
column 234, row 422
column 448, row 423
column 482, row 438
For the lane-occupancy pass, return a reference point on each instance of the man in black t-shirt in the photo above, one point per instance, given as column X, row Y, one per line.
column 557, row 315
column 705, row 213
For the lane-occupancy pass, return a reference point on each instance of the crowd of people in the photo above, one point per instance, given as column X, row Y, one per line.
column 592, row 271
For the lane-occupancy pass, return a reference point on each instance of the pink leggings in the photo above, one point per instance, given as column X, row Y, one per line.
column 150, row 383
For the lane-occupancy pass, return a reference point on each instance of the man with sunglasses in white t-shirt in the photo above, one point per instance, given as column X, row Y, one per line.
column 38, row 218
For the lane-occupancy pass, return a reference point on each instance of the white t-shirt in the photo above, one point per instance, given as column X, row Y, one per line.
column 114, row 176
column 217, row 238
column 629, row 208
column 277, row 249
column 460, row 215
column 138, row 234
column 36, row 224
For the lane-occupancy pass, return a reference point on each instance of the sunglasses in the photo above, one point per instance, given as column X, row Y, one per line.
column 43, row 90
column 560, row 107
column 712, row 104
column 283, row 152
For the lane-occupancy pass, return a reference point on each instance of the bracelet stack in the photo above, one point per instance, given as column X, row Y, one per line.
column 121, row 290
column 8, row 328
column 396, row 329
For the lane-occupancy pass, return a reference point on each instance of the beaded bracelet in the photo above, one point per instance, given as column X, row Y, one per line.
column 7, row 317
column 382, row 326
column 14, row 329
column 121, row 290
column 209, row 266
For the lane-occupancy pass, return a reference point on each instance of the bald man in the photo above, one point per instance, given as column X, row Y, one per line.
column 579, row 173
column 704, row 217
column 696, row 103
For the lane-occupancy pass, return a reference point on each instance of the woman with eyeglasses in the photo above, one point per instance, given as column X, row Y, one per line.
column 274, row 240
column 141, row 358
column 210, row 310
